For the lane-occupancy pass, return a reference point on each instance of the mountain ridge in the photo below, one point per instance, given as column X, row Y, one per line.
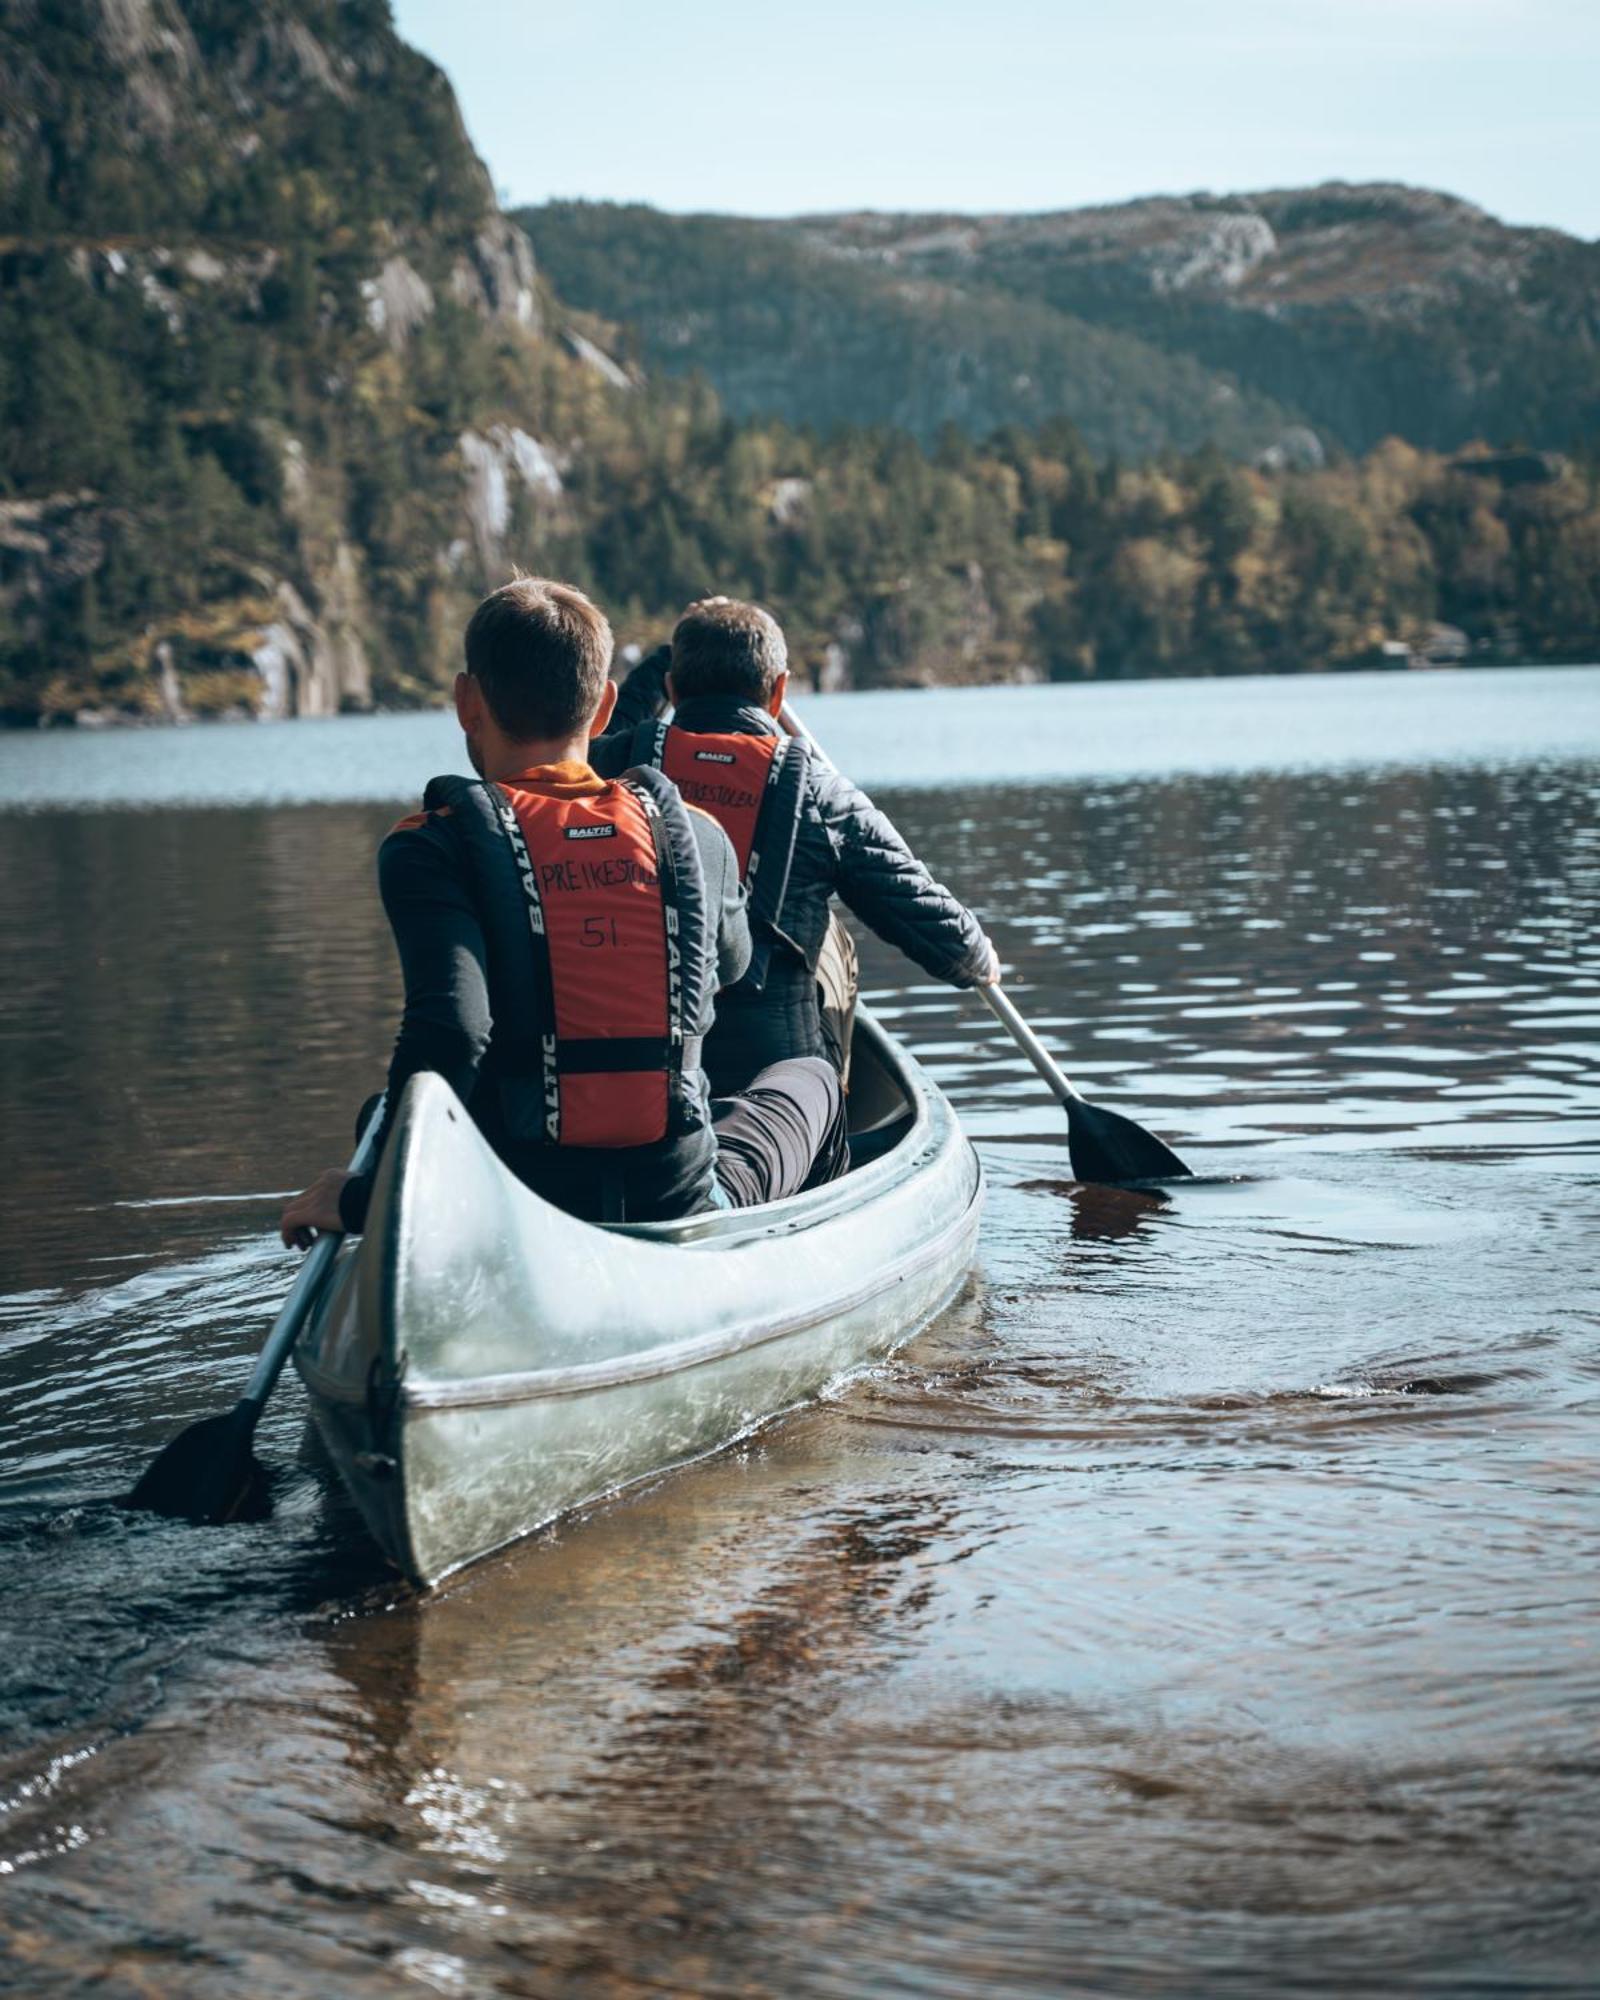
column 282, row 392
column 1357, row 311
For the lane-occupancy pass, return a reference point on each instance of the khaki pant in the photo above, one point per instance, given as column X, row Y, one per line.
column 838, row 983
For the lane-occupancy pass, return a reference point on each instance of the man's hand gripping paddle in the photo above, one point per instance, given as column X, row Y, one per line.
column 208, row 1472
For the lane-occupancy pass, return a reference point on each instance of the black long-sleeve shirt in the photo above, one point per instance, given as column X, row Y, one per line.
column 448, row 1023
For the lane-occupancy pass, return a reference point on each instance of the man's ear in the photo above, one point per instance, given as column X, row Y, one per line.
column 780, row 688
column 672, row 692
column 469, row 702
column 602, row 714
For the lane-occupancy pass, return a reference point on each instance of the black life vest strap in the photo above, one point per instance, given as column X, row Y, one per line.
column 777, row 828
column 668, row 874
column 649, row 745
column 521, row 999
column 543, row 980
column 599, row 1055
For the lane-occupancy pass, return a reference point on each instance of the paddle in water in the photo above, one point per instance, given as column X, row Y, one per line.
column 1104, row 1146
column 208, row 1472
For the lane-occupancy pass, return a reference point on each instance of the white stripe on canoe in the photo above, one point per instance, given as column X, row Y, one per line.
column 536, row 1384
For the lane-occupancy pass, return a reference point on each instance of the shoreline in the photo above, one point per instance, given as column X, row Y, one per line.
column 1033, row 736
column 94, row 722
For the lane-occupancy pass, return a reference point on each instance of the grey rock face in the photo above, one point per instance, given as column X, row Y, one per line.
column 1222, row 252
column 398, row 300
column 52, row 542
column 497, row 278
column 314, row 662
column 492, row 464
column 1299, row 449
column 596, row 358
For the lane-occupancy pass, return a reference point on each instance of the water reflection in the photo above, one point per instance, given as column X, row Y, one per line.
column 1206, row 1603
column 1103, row 1214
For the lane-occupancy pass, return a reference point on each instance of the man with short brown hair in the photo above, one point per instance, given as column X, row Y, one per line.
column 723, row 649
column 562, row 938
column 541, row 653
column 802, row 832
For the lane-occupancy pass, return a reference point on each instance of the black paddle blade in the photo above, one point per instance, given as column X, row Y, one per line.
column 1108, row 1148
column 208, row 1473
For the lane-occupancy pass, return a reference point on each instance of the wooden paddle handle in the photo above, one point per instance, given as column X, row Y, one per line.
column 791, row 725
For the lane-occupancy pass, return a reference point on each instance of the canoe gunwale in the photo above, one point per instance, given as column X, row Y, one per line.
column 672, row 1358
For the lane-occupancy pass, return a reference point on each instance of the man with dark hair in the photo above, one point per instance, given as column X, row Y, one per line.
column 541, row 654
column 725, row 650
column 562, row 938
column 802, row 832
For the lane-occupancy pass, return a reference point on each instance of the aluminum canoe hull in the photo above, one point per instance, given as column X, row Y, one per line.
column 482, row 1363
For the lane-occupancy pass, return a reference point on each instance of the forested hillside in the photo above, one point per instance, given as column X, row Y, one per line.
column 282, row 393
column 1357, row 312
column 784, row 323
column 1025, row 556
column 260, row 321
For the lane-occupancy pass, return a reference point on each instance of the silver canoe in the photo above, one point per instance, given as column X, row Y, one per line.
column 481, row 1362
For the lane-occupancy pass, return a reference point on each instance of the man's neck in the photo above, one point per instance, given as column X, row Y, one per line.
column 508, row 759
column 721, row 706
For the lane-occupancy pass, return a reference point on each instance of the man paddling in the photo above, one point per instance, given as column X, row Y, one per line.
column 802, row 831
column 562, row 937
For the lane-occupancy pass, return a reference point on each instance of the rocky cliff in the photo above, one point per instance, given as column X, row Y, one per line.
column 271, row 355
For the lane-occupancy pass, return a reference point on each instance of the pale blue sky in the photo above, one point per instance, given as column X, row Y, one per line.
column 1025, row 104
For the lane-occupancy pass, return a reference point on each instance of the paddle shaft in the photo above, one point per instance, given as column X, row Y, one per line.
column 1055, row 1078
column 304, row 1291
column 996, row 1001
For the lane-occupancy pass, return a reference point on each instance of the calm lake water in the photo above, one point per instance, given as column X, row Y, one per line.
column 1205, row 1604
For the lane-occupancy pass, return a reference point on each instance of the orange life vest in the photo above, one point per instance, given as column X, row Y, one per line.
column 726, row 776
column 598, row 953
column 755, row 788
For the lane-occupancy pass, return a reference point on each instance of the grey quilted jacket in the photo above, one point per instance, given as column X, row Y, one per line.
column 844, row 846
